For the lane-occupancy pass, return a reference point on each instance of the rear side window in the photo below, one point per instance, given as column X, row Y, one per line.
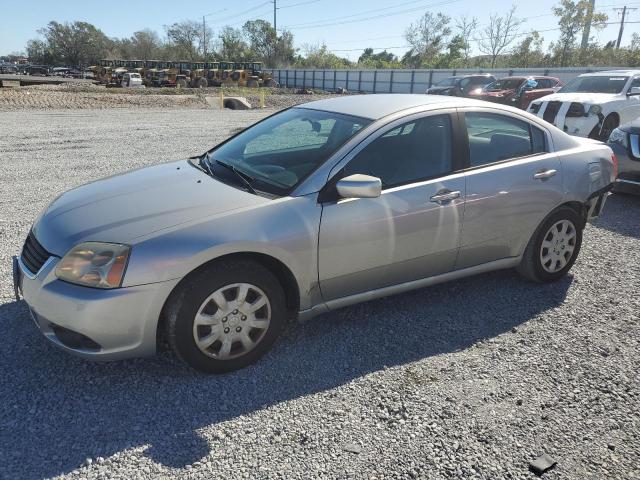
column 494, row 138
column 415, row 151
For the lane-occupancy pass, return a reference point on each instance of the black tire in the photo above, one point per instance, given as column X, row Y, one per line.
column 271, row 83
column 186, row 301
column 531, row 266
column 202, row 83
column 252, row 83
column 609, row 125
column 181, row 83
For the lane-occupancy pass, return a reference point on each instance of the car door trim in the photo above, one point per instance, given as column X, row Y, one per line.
column 324, row 307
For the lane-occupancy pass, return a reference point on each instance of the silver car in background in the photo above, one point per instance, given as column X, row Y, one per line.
column 314, row 208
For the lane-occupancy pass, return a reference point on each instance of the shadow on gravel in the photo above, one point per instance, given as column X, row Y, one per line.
column 57, row 410
column 621, row 215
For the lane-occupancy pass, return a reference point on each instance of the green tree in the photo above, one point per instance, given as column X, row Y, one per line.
column 427, row 38
column 572, row 19
column 466, row 27
column 318, row 56
column 383, row 59
column 76, row 43
column 267, row 46
column 528, row 53
column 183, row 40
column 233, row 45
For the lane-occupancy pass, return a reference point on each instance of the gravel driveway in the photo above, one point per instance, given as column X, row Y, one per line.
column 469, row 379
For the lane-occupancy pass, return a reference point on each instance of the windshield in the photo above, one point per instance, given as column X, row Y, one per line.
column 281, row 151
column 506, row 84
column 447, row 82
column 595, row 84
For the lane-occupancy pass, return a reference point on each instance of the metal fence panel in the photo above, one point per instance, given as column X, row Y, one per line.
column 405, row 81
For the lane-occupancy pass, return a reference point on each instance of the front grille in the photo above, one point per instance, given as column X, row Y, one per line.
column 34, row 255
column 551, row 111
column 576, row 110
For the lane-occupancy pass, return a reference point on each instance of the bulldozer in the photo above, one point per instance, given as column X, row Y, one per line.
column 204, row 74
column 114, row 75
column 173, row 74
column 251, row 75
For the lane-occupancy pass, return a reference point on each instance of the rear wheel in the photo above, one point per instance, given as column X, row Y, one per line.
column 202, row 83
column 554, row 247
column 252, row 83
column 226, row 317
column 181, row 83
column 271, row 83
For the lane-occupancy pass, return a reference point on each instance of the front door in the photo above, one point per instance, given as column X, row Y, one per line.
column 412, row 230
column 512, row 183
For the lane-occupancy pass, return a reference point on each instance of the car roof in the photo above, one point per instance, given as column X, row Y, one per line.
column 383, row 104
column 607, row 73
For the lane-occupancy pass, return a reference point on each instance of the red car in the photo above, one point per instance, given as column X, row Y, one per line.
column 518, row 91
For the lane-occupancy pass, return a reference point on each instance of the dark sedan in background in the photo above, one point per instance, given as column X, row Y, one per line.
column 461, row 85
column 518, row 91
column 625, row 142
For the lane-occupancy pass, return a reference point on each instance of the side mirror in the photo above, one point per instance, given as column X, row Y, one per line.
column 359, row 186
column 633, row 91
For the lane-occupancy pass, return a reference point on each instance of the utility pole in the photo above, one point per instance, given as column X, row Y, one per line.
column 275, row 25
column 624, row 9
column 204, row 40
column 587, row 28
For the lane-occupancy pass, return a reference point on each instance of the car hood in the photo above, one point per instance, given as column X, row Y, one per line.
column 123, row 207
column 589, row 98
column 439, row 89
column 495, row 93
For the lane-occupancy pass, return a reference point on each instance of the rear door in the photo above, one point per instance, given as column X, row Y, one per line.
column 512, row 181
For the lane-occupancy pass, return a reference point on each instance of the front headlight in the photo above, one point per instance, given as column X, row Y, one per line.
column 94, row 264
column 595, row 110
column 620, row 137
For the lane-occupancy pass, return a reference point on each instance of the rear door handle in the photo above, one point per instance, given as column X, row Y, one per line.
column 445, row 196
column 545, row 174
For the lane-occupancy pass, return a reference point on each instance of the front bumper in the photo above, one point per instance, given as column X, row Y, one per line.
column 93, row 323
column 628, row 169
column 580, row 126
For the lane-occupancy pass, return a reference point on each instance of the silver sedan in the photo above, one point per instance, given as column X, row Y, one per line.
column 314, row 208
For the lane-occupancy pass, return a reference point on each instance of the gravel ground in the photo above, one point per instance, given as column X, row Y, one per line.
column 471, row 379
column 75, row 96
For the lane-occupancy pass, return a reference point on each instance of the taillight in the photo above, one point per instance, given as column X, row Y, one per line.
column 614, row 159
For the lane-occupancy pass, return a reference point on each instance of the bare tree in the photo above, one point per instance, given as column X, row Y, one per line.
column 499, row 34
column 466, row 27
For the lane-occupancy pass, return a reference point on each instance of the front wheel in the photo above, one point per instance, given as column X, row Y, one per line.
column 554, row 247
column 226, row 317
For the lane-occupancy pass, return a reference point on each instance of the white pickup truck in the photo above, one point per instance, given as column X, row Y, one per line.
column 592, row 105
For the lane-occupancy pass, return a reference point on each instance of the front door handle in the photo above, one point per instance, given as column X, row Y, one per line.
column 543, row 175
column 445, row 196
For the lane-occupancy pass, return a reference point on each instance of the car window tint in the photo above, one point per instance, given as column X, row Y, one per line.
column 635, row 82
column 494, row 137
column 418, row 150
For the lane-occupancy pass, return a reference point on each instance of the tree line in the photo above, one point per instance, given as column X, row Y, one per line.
column 435, row 40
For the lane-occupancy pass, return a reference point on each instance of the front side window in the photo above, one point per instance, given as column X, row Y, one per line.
column 412, row 152
column 505, row 84
column 494, row 138
column 281, row 151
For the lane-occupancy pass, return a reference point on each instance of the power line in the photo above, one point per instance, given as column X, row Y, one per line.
column 329, row 21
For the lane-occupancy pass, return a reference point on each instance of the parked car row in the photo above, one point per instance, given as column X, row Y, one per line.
column 517, row 91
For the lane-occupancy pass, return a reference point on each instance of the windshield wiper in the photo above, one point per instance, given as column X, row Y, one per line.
column 246, row 179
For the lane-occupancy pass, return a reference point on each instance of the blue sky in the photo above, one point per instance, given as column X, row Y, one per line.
column 350, row 25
